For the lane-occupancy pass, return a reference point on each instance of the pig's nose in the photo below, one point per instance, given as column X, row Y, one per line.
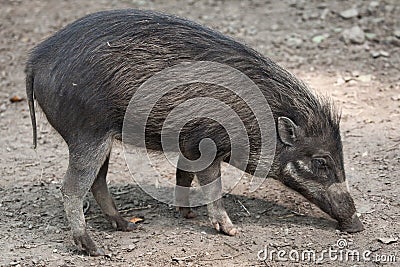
column 353, row 225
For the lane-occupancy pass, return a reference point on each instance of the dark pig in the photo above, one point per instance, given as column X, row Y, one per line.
column 84, row 76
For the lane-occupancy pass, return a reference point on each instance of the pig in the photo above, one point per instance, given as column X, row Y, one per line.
column 84, row 76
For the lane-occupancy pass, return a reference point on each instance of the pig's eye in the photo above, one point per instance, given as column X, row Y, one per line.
column 319, row 163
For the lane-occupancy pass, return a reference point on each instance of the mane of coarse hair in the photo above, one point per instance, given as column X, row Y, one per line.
column 316, row 115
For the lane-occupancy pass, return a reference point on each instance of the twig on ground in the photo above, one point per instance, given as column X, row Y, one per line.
column 121, row 211
column 231, row 246
column 245, row 209
column 223, row 258
column 183, row 258
column 122, row 192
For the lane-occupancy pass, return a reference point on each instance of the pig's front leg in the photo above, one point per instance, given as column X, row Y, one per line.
column 210, row 181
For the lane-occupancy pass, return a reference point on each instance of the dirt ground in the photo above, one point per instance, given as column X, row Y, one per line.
column 358, row 67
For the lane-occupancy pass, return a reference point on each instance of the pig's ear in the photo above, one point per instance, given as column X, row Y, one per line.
column 287, row 131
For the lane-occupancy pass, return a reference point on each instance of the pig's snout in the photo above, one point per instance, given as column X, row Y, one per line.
column 353, row 225
column 343, row 208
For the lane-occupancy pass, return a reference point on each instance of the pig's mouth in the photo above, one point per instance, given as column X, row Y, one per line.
column 353, row 225
column 349, row 225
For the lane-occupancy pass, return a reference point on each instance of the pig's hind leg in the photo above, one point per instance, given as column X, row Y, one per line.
column 104, row 199
column 210, row 181
column 183, row 181
column 85, row 161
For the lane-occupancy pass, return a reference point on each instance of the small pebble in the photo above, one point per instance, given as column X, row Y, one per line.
column 384, row 53
column 3, row 108
column 375, row 54
column 354, row 35
column 349, row 13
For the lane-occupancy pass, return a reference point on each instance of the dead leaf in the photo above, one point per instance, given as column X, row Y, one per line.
column 16, row 98
column 136, row 220
column 388, row 240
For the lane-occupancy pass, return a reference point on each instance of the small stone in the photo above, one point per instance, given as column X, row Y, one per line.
column 395, row 98
column 286, row 231
column 300, row 4
column 324, row 13
column 251, row 31
column 375, row 54
column 3, row 108
column 349, row 13
column 340, row 81
column 131, row 247
column 389, row 8
column 337, row 30
column 373, row 6
column 274, row 27
column 352, row 82
column 319, row 38
column 364, row 78
column 378, row 20
column 347, row 78
column 391, row 40
column 370, row 36
column 384, row 53
column 389, row 240
column 293, row 41
column 354, row 35
column 397, row 33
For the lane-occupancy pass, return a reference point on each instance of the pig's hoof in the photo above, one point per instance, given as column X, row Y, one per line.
column 187, row 213
column 121, row 224
column 130, row 226
column 97, row 253
column 85, row 243
column 228, row 229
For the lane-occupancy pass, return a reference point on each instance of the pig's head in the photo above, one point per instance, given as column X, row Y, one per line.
column 311, row 163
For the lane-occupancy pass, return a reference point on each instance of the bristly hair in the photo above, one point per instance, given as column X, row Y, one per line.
column 316, row 114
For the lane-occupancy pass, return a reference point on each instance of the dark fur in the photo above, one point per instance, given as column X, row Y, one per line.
column 126, row 47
